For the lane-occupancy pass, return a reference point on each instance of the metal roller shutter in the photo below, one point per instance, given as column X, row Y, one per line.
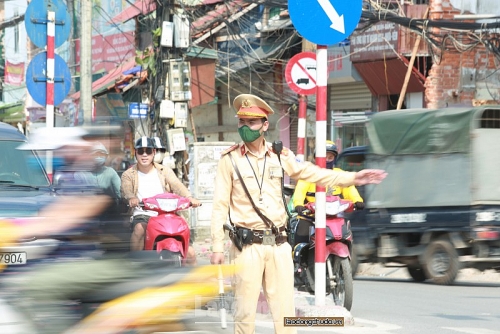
column 350, row 96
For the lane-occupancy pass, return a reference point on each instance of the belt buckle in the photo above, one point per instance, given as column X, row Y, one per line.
column 268, row 238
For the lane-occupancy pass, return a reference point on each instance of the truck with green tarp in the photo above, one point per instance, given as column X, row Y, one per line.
column 438, row 210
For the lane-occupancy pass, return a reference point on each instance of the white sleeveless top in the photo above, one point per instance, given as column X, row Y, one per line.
column 149, row 186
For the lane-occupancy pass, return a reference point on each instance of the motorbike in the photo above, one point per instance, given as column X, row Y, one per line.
column 160, row 299
column 168, row 233
column 339, row 280
column 166, row 301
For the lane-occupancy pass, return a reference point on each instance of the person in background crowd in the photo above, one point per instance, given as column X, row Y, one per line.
column 105, row 178
column 305, row 191
column 160, row 150
column 49, row 285
column 265, row 257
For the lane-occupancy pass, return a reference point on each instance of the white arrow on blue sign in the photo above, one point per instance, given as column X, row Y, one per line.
column 325, row 22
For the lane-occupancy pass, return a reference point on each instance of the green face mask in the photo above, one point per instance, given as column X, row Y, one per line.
column 248, row 135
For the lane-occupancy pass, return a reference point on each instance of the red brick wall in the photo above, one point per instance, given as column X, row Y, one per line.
column 443, row 84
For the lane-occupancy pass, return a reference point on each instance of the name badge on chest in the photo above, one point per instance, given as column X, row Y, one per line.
column 268, row 238
column 275, row 172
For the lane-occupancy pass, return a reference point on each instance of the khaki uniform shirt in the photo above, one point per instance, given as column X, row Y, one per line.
column 262, row 177
column 169, row 182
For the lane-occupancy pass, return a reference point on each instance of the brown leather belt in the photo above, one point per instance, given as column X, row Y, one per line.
column 266, row 237
column 257, row 239
column 261, row 232
column 258, row 236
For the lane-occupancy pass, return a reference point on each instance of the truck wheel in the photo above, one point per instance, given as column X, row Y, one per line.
column 417, row 273
column 441, row 262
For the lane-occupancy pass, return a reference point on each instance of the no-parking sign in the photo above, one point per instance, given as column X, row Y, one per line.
column 300, row 73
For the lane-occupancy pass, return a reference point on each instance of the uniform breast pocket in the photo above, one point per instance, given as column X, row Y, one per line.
column 275, row 173
column 246, row 178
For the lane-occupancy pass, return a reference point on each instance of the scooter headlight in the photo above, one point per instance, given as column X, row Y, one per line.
column 167, row 204
column 335, row 207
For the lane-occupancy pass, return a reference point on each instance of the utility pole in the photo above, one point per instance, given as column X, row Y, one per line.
column 86, row 62
column 74, row 35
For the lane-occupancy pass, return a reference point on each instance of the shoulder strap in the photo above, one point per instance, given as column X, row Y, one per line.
column 230, row 149
column 261, row 215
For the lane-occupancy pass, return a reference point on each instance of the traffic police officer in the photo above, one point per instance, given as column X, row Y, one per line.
column 262, row 263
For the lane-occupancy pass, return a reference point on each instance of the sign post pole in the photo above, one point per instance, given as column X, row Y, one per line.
column 323, row 22
column 41, row 76
column 49, row 105
column 301, row 130
column 320, row 215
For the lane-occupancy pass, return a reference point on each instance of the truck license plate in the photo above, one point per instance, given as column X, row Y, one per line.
column 13, row 258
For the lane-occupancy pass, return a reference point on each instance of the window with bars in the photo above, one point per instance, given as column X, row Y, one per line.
column 490, row 119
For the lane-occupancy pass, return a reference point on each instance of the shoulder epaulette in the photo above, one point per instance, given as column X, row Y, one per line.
column 230, row 149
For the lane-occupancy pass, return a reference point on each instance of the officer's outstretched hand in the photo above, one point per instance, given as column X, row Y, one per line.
column 217, row 258
column 369, row 176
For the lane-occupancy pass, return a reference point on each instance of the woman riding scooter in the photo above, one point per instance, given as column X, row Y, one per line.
column 305, row 192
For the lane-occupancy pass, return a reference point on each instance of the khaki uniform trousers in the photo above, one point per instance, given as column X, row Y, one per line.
column 268, row 267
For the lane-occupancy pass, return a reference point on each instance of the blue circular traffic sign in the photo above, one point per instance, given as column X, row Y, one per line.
column 36, row 79
column 325, row 22
column 35, row 21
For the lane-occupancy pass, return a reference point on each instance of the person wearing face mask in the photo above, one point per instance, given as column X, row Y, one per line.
column 305, row 191
column 160, row 150
column 162, row 156
column 103, row 177
column 248, row 189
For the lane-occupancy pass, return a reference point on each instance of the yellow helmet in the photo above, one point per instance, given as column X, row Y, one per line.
column 331, row 147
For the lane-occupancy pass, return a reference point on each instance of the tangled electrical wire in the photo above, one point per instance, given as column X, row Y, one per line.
column 243, row 45
column 440, row 35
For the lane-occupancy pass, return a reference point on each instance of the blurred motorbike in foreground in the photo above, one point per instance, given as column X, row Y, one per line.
column 164, row 306
column 162, row 301
column 339, row 281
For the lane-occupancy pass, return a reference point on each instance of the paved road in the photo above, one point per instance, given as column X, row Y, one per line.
column 384, row 305
column 403, row 306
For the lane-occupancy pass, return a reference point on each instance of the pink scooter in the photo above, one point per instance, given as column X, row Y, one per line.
column 167, row 233
column 339, row 281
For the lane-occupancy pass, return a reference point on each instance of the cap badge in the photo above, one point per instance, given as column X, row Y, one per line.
column 246, row 103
